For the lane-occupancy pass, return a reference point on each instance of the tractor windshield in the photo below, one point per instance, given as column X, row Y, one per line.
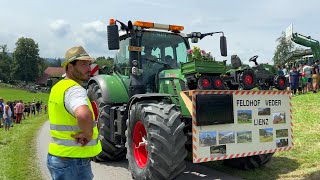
column 161, row 50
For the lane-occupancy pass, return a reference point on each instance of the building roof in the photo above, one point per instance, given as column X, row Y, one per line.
column 50, row 72
column 55, row 71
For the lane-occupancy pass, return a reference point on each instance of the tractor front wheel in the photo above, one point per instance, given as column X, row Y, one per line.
column 280, row 82
column 247, row 80
column 109, row 149
column 155, row 141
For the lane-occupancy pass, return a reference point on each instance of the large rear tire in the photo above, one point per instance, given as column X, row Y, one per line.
column 109, row 150
column 249, row 162
column 155, row 141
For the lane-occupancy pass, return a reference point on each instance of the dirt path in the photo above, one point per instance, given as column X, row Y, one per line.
column 118, row 170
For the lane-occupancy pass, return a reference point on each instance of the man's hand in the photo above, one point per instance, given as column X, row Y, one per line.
column 82, row 138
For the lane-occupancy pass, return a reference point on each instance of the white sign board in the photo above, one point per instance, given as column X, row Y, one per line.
column 262, row 124
column 289, row 32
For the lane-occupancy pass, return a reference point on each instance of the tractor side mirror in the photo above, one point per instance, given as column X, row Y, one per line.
column 223, row 46
column 113, row 37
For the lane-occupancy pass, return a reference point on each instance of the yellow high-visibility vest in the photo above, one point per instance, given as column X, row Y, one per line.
column 63, row 125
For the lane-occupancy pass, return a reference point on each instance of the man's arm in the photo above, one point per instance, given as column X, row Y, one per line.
column 77, row 105
column 85, row 121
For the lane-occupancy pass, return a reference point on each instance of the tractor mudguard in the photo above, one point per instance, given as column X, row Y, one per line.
column 112, row 88
column 148, row 96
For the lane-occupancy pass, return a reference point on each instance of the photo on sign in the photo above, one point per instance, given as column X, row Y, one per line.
column 244, row 137
column 218, row 151
column 244, row 116
column 266, row 134
column 282, row 142
column 279, row 118
column 226, row 137
column 264, row 111
column 208, row 138
column 281, row 133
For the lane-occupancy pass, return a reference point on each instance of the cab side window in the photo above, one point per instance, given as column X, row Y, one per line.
column 122, row 58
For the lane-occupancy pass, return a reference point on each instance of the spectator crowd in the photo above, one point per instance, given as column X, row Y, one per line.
column 15, row 111
column 302, row 79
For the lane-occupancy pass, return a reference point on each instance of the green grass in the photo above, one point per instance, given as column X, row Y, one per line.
column 18, row 157
column 10, row 94
column 303, row 161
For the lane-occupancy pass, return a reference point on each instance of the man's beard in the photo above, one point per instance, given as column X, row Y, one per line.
column 79, row 75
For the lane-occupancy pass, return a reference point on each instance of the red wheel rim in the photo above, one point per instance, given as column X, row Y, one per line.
column 218, row 83
column 95, row 109
column 281, row 82
column 205, row 83
column 139, row 144
column 248, row 79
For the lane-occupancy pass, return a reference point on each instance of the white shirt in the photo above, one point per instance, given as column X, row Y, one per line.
column 74, row 97
column 307, row 70
column 9, row 112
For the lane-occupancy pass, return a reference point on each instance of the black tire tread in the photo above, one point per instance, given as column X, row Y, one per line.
column 166, row 140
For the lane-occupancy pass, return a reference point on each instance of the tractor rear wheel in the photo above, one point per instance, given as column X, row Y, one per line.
column 249, row 162
column 109, row 150
column 218, row 83
column 155, row 141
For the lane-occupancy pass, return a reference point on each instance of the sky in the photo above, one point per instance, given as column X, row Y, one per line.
column 250, row 26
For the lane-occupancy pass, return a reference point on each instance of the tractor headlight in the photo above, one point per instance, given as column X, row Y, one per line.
column 135, row 63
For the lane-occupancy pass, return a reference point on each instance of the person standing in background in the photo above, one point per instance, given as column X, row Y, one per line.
column 1, row 112
column 19, row 111
column 7, row 116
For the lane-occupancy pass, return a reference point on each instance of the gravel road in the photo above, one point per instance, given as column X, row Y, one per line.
column 118, row 170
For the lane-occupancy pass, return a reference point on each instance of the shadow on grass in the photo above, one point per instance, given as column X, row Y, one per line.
column 3, row 143
column 273, row 170
column 314, row 175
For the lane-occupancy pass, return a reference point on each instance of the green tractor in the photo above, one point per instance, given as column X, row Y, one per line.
column 139, row 107
column 262, row 76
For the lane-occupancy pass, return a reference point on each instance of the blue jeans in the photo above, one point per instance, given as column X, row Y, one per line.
column 7, row 121
column 69, row 168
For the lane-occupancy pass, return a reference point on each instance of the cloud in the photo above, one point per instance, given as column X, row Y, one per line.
column 93, row 37
column 95, row 26
column 60, row 28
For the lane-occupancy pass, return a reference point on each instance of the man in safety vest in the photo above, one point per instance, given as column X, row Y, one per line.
column 74, row 135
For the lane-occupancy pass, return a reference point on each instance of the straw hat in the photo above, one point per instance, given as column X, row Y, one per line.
column 76, row 53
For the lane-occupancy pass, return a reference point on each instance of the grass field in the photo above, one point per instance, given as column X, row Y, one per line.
column 18, row 157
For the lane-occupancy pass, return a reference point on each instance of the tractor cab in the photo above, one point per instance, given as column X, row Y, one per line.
column 160, row 51
column 147, row 49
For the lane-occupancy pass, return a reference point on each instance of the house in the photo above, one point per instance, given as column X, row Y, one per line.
column 53, row 73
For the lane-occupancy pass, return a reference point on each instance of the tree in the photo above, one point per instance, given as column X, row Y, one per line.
column 283, row 49
column 26, row 60
column 42, row 65
column 5, row 64
column 105, row 63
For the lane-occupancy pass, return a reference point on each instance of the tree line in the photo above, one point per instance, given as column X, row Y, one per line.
column 25, row 64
